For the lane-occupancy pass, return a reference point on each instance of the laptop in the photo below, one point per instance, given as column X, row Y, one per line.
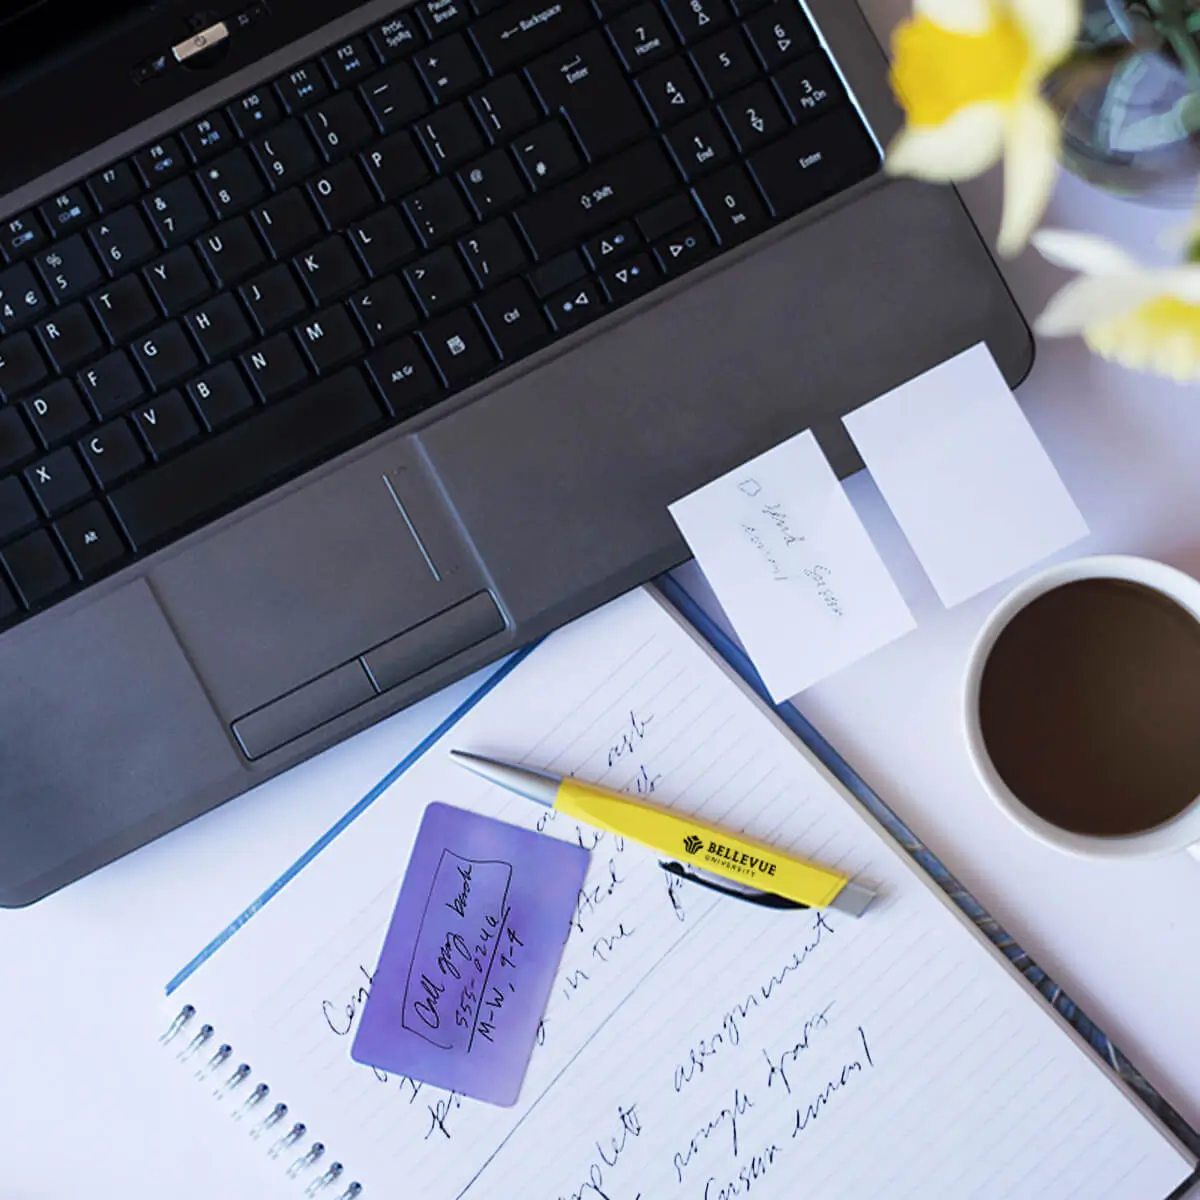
column 348, row 347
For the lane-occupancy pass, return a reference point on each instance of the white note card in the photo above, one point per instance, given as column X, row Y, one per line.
column 792, row 566
column 965, row 475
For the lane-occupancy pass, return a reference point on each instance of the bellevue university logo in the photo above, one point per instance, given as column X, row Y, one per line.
column 692, row 844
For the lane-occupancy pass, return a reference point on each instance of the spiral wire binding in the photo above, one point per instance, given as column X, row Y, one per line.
column 250, row 1107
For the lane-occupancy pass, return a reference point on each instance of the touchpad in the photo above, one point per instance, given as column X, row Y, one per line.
column 292, row 592
column 106, row 739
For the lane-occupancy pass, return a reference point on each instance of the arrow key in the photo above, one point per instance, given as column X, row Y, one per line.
column 683, row 249
column 624, row 281
column 611, row 245
column 574, row 306
column 91, row 542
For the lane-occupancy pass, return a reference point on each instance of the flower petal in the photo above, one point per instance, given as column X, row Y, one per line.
column 1030, row 167
column 1183, row 282
column 959, row 16
column 960, row 148
column 1094, row 300
column 1050, row 25
column 1082, row 252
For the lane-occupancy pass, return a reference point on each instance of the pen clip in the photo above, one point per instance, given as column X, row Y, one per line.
column 750, row 895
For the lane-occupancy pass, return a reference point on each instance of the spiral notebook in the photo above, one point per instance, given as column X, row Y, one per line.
column 693, row 1045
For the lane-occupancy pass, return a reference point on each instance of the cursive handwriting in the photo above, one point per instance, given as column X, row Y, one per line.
column 777, row 515
column 330, row 1010
column 825, row 593
column 730, row 1032
column 592, row 896
column 608, row 1151
column 727, row 1116
column 816, row 1021
column 631, row 737
column 806, row 1116
column 459, row 903
column 755, row 1168
column 756, row 540
column 439, row 1113
column 602, row 947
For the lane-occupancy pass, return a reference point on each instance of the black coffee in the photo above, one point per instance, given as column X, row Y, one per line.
column 1090, row 707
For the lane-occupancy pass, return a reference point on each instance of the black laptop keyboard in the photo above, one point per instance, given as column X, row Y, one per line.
column 347, row 245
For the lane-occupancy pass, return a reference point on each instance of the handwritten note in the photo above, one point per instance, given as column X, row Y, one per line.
column 792, row 566
column 470, row 956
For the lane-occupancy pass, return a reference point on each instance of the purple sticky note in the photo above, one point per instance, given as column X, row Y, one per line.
column 471, row 953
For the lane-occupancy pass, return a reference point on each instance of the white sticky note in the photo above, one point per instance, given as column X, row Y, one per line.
column 792, row 566
column 965, row 475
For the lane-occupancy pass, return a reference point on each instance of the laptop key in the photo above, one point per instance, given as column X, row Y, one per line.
column 753, row 116
column 66, row 212
column 448, row 68
column 438, row 281
column 441, row 16
column 302, row 87
column 17, row 512
column 504, row 108
column 396, row 37
column 165, row 355
column 546, row 155
column 513, row 318
column 583, row 81
column 22, row 298
column 274, row 367
column 112, row 453
column 491, row 183
column 396, row 166
column 69, row 269
column 36, row 568
column 21, row 366
column 394, row 98
column 90, row 539
column 611, row 245
column 641, row 37
column 166, row 423
column 383, row 241
column 329, row 270
column 231, row 252
column 558, row 273
column 207, row 137
column 220, row 395
column 523, row 29
column 178, row 281
column 725, row 62
column 670, row 90
column 348, row 63
column 122, row 240
column 274, row 298
column 231, row 183
column 57, row 481
column 56, row 412
column 809, row 87
column 177, row 212
column 384, row 310
column 111, row 385
column 162, row 161
column 341, row 194
column 625, row 281
column 220, row 327
column 404, row 378
column 694, row 19
column 255, row 111
column 683, row 249
column 286, row 223
column 124, row 308
column 114, row 187
column 16, row 442
column 576, row 306
column 339, row 126
column 329, row 338
column 69, row 338
column 731, row 204
column 493, row 252
column 450, row 136
column 438, row 212
column 779, row 34
column 698, row 145
column 285, row 155
column 458, row 346
column 224, row 469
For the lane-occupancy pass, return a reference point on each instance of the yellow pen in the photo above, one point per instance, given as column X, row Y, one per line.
column 700, row 847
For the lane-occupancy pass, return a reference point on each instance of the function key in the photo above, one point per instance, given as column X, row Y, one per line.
column 207, row 137
column 442, row 16
column 779, row 34
column 302, row 86
column 641, row 37
column 21, row 235
column 66, row 212
column 449, row 68
column 254, row 111
column 809, row 87
column 115, row 187
column 349, row 63
column 395, row 37
column 696, row 18
column 160, row 162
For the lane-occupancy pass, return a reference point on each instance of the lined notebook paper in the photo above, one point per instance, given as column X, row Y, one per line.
column 693, row 1046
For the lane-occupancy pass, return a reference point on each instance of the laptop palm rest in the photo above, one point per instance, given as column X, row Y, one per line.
column 314, row 605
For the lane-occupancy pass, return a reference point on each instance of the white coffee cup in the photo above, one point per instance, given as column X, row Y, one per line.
column 1181, row 831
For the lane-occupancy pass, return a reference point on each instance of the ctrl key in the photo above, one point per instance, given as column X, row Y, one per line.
column 36, row 568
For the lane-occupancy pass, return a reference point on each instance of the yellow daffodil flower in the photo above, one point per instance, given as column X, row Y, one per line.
column 1143, row 317
column 968, row 74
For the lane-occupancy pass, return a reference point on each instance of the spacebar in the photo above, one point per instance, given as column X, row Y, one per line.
column 247, row 459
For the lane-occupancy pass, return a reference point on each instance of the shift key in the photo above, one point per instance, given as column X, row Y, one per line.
column 597, row 198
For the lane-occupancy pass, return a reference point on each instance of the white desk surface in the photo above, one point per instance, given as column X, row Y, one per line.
column 86, row 1105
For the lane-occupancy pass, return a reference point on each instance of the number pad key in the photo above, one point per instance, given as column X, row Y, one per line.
column 641, row 37
column 780, row 33
column 725, row 63
column 731, row 204
column 698, row 145
column 670, row 91
column 809, row 87
column 694, row 19
column 753, row 116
